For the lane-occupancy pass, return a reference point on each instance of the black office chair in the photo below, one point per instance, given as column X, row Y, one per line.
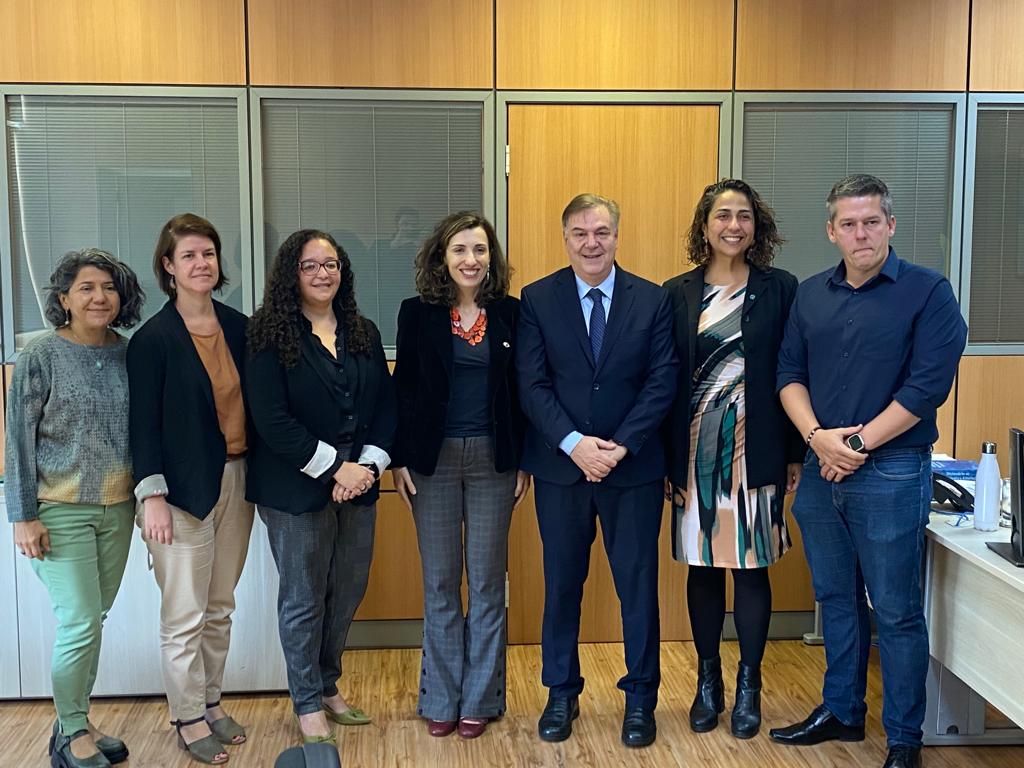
column 309, row 756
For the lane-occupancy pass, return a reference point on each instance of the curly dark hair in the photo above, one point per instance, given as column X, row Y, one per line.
column 766, row 235
column 125, row 282
column 434, row 283
column 278, row 323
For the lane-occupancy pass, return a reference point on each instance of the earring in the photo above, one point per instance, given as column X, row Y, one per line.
column 174, row 286
column 67, row 316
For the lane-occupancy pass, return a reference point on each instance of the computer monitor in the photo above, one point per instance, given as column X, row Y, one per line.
column 1014, row 551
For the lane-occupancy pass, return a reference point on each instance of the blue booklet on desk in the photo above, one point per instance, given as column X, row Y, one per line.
column 955, row 469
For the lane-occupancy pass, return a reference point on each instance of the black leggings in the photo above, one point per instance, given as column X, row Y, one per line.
column 752, row 610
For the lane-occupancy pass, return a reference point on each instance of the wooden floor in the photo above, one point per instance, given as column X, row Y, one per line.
column 382, row 682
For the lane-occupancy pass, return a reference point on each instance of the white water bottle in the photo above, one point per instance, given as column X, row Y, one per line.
column 987, row 485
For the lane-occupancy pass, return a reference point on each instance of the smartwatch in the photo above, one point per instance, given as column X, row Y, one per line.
column 856, row 443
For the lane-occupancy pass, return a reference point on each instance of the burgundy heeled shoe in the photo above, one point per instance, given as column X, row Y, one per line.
column 471, row 727
column 440, row 727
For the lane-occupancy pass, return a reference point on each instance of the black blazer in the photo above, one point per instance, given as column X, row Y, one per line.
column 172, row 417
column 623, row 396
column 771, row 439
column 294, row 409
column 423, row 371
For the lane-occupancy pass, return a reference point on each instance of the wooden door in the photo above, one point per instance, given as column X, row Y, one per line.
column 654, row 161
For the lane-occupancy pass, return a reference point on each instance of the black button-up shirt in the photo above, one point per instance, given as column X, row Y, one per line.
column 897, row 337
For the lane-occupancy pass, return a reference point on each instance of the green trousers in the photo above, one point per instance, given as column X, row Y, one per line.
column 82, row 572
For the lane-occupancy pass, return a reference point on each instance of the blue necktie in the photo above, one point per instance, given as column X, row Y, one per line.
column 597, row 321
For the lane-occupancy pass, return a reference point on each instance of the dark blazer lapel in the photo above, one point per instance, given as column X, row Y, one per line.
column 622, row 305
column 499, row 333
column 568, row 299
column 693, row 291
column 757, row 284
column 438, row 328
column 188, row 352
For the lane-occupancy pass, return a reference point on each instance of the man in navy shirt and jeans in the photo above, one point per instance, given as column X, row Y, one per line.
column 870, row 351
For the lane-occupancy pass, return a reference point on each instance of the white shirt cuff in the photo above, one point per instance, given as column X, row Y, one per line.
column 378, row 456
column 322, row 460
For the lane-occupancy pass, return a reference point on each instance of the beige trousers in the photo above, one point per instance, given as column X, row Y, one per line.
column 197, row 575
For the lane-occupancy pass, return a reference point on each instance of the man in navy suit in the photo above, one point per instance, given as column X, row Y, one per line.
column 597, row 371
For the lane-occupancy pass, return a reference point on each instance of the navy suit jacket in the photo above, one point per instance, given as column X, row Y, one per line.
column 623, row 396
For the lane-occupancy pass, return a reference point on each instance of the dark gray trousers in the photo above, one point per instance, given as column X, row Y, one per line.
column 323, row 559
column 462, row 512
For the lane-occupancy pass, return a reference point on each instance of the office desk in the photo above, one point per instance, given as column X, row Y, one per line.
column 974, row 603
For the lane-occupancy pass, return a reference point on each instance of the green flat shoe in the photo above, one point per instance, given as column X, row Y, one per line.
column 228, row 731
column 351, row 716
column 62, row 757
column 306, row 739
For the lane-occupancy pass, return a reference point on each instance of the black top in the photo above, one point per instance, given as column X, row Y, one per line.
column 897, row 337
column 295, row 409
column 340, row 370
column 424, row 368
column 471, row 414
column 172, row 417
column 772, row 440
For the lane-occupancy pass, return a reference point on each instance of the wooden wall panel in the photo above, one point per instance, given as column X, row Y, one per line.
column 372, row 43
column 560, row 150
column 169, row 42
column 988, row 403
column 997, row 63
column 860, row 45
column 945, row 419
column 395, row 590
column 615, row 45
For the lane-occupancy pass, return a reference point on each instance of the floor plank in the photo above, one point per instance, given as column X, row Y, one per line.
column 382, row 682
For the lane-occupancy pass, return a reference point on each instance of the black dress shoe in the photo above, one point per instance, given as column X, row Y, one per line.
column 821, row 725
column 555, row 722
column 710, row 699
column 746, row 712
column 638, row 727
column 902, row 756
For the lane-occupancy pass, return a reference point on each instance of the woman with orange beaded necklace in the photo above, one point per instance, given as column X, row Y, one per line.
column 455, row 463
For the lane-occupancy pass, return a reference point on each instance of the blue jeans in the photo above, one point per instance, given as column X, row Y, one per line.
column 868, row 530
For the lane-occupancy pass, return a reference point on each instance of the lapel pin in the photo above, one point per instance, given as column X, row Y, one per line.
column 505, row 344
column 753, row 296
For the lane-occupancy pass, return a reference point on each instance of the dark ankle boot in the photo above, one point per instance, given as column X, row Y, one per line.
column 710, row 699
column 746, row 714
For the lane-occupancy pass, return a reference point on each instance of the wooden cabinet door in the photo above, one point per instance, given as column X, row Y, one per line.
column 654, row 160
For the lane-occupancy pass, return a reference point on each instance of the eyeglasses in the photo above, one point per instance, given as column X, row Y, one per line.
column 313, row 267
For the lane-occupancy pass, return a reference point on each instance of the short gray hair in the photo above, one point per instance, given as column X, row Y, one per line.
column 859, row 185
column 585, row 202
column 125, row 282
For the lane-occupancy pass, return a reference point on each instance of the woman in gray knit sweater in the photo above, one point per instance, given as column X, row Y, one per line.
column 69, row 480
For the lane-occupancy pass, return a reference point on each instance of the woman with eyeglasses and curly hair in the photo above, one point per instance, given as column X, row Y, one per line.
column 733, row 455
column 324, row 409
column 69, row 478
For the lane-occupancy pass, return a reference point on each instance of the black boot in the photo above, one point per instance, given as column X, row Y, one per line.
column 710, row 699
column 746, row 713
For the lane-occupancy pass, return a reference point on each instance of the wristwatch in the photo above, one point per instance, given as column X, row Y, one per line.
column 856, row 443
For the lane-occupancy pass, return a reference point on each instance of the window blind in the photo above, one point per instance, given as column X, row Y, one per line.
column 794, row 153
column 997, row 240
column 377, row 177
column 108, row 173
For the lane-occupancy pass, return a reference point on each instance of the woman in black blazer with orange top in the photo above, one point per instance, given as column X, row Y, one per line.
column 456, row 460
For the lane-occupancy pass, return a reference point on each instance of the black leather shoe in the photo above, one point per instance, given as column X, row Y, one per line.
column 555, row 722
column 638, row 727
column 902, row 756
column 821, row 725
column 710, row 699
column 746, row 712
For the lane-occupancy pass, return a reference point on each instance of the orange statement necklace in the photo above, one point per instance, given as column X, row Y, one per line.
column 475, row 334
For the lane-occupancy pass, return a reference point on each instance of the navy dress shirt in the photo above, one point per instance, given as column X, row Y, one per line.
column 897, row 337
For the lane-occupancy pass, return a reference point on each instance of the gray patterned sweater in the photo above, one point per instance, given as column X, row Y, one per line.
column 67, row 426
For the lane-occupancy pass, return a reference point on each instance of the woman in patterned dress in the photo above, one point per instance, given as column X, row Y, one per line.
column 733, row 454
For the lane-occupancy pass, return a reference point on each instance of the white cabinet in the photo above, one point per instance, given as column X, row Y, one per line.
column 130, row 659
column 10, row 683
